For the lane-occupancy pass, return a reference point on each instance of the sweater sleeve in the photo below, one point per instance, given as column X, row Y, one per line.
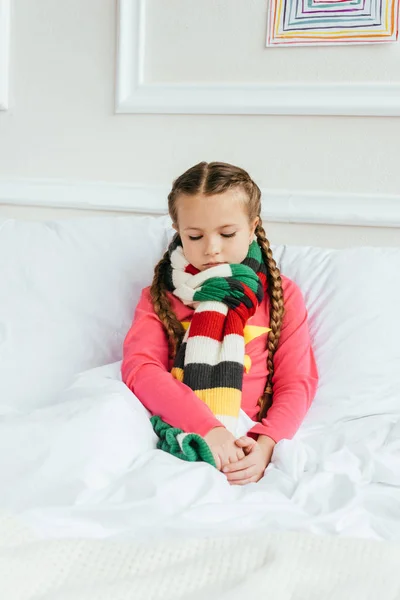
column 295, row 376
column 145, row 371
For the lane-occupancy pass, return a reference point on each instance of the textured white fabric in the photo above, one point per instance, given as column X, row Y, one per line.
column 278, row 566
column 353, row 299
column 67, row 297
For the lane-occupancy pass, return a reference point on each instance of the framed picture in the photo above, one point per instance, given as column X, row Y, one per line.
column 4, row 51
column 331, row 22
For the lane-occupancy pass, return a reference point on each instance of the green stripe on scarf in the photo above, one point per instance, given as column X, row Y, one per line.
column 192, row 447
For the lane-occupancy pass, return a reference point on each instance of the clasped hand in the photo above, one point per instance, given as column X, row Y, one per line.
column 243, row 460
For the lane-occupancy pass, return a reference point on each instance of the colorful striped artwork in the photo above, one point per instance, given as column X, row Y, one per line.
column 310, row 22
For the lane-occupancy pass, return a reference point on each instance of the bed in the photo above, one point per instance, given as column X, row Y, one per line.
column 90, row 509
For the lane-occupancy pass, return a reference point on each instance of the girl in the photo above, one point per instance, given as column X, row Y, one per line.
column 247, row 347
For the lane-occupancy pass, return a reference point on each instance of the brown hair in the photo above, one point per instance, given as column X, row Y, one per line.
column 209, row 179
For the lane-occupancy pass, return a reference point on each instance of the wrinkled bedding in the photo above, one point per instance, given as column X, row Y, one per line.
column 88, row 466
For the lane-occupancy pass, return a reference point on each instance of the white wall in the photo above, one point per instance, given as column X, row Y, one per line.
column 223, row 40
column 61, row 122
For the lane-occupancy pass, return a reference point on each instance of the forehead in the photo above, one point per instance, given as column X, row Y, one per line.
column 207, row 212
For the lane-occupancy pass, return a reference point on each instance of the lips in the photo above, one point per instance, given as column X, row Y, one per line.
column 215, row 264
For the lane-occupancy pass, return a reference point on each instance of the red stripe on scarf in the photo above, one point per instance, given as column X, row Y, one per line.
column 191, row 269
column 208, row 323
column 263, row 278
column 242, row 311
column 215, row 325
column 234, row 323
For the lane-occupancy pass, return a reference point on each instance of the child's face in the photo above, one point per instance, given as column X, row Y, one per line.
column 214, row 229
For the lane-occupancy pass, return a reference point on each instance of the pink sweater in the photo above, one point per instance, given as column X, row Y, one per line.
column 146, row 369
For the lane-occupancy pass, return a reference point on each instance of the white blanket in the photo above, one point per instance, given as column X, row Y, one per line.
column 88, row 467
column 279, row 566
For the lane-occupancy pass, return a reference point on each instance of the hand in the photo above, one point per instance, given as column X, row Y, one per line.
column 223, row 447
column 251, row 468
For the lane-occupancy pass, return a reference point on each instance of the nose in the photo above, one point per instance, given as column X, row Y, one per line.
column 212, row 247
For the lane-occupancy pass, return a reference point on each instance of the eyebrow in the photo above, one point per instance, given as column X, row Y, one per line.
column 221, row 227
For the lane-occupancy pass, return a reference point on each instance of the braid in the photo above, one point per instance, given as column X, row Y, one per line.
column 162, row 306
column 275, row 293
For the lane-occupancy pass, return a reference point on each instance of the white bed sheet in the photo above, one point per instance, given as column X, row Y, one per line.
column 87, row 467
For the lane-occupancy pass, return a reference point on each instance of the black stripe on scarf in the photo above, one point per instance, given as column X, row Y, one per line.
column 199, row 376
column 232, row 302
column 258, row 267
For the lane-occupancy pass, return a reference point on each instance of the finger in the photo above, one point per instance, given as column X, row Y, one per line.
column 234, row 457
column 246, row 438
column 226, row 461
column 239, row 465
column 239, row 455
column 230, row 457
column 244, row 474
column 245, row 441
column 218, row 462
column 245, row 481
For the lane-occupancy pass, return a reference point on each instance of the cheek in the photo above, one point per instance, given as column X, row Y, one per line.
column 191, row 250
column 242, row 248
column 241, row 252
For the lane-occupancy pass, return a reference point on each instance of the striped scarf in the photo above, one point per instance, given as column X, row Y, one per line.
column 210, row 359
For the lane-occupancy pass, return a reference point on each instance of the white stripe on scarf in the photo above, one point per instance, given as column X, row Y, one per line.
column 186, row 284
column 207, row 351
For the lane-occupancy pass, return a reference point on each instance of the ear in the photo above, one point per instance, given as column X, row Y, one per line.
column 253, row 227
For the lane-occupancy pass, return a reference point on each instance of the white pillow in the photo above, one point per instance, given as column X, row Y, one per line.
column 67, row 298
column 352, row 297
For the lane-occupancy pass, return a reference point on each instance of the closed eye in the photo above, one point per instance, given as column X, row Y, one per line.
column 224, row 235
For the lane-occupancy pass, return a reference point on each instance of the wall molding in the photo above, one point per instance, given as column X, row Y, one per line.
column 4, row 52
column 285, row 206
column 133, row 95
